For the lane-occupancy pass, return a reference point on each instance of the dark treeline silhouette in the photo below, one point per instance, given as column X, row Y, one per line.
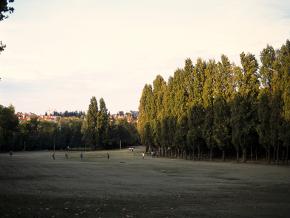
column 94, row 131
column 221, row 110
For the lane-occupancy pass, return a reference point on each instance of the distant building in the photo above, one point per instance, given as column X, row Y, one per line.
column 28, row 116
column 130, row 117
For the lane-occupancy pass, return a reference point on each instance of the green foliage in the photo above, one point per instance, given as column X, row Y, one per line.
column 103, row 124
column 213, row 105
column 124, row 132
column 195, row 117
column 264, row 112
column 208, row 101
column 222, row 124
column 90, row 128
column 146, row 111
column 8, row 125
column 180, row 140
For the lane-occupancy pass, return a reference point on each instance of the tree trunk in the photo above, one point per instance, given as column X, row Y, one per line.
column 277, row 156
column 165, row 152
column 287, row 154
column 283, row 156
column 244, row 155
column 251, row 152
column 210, row 154
column 256, row 154
column 274, row 154
column 269, row 155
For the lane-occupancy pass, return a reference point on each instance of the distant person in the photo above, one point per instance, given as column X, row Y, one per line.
column 143, row 155
column 81, row 156
column 108, row 155
column 53, row 155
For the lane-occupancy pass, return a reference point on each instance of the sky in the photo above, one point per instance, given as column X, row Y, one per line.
column 61, row 53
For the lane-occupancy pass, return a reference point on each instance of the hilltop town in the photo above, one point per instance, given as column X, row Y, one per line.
column 130, row 117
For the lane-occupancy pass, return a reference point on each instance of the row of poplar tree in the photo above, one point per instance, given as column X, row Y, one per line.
column 214, row 109
column 94, row 130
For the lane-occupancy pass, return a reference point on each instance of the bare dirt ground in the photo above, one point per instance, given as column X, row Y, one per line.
column 34, row 185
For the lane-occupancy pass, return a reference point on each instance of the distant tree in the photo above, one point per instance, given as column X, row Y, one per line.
column 123, row 131
column 8, row 126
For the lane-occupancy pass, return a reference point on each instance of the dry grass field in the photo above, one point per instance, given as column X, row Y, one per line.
column 34, row 185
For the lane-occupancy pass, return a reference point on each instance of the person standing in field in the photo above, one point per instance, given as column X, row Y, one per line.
column 143, row 155
column 108, row 155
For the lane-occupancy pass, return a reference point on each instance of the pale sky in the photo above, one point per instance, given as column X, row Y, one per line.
column 60, row 53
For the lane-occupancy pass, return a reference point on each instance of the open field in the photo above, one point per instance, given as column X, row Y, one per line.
column 34, row 185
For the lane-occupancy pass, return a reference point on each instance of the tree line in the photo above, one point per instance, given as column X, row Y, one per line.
column 217, row 109
column 94, row 130
column 100, row 131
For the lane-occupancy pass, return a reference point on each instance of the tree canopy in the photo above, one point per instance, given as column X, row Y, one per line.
column 215, row 108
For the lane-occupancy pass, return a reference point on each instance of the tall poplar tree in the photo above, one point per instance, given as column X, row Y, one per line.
column 103, row 124
column 223, row 95
column 146, row 114
column 283, row 67
column 208, row 100
column 91, row 123
column 245, row 104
